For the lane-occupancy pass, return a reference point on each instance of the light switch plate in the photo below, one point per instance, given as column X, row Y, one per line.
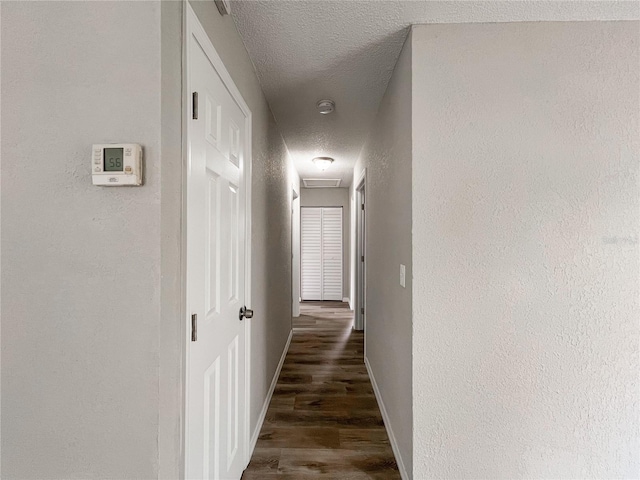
column 402, row 275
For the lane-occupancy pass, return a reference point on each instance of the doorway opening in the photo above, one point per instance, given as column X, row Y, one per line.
column 295, row 254
column 361, row 259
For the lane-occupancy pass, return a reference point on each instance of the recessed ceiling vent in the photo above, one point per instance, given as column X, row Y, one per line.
column 321, row 182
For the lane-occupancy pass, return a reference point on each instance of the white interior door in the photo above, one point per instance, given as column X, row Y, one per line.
column 332, row 254
column 216, row 403
column 321, row 256
column 311, row 253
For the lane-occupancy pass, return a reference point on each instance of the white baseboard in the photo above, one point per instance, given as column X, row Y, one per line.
column 387, row 423
column 267, row 400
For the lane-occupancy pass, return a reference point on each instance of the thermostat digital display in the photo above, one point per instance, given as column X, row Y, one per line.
column 116, row 165
column 113, row 159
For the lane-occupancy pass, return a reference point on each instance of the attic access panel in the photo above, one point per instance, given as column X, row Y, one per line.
column 321, row 182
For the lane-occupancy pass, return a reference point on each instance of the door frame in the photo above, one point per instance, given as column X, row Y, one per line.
column 296, row 278
column 360, row 268
column 193, row 27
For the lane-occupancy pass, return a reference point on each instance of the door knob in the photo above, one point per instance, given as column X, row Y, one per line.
column 245, row 313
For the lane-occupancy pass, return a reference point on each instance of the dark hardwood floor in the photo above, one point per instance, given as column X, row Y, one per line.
column 323, row 421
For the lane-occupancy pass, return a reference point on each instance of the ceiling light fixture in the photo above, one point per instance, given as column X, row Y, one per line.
column 323, row 162
column 326, row 106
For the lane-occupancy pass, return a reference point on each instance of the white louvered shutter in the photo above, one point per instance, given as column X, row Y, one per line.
column 311, row 253
column 321, row 258
column 332, row 254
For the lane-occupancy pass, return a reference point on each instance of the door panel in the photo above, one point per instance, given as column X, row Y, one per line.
column 321, row 253
column 332, row 254
column 216, row 401
column 311, row 253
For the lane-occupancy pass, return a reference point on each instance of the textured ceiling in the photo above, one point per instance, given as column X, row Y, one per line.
column 308, row 50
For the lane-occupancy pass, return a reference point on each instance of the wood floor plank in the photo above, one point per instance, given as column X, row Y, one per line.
column 347, row 378
column 327, row 369
column 265, row 460
column 367, row 439
column 295, row 378
column 272, row 436
column 338, row 463
column 326, row 403
column 323, row 421
column 311, row 388
column 353, row 419
column 284, row 400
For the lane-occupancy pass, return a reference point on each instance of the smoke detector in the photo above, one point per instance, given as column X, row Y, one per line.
column 326, row 107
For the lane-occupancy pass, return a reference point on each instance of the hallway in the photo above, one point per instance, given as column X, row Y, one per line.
column 323, row 420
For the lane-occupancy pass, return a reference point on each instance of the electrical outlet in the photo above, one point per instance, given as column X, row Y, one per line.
column 402, row 275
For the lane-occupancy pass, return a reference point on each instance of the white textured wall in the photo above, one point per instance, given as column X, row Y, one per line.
column 273, row 176
column 334, row 197
column 525, row 249
column 386, row 156
column 91, row 299
column 80, row 264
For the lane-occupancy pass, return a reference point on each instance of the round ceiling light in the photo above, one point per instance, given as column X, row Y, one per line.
column 326, row 106
column 323, row 162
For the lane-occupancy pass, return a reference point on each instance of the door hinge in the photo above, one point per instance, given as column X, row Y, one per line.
column 362, row 206
column 362, row 258
column 194, row 104
column 362, row 310
column 194, row 327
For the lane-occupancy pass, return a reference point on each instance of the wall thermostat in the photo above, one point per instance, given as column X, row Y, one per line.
column 117, row 164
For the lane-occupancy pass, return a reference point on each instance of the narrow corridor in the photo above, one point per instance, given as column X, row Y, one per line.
column 323, row 420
